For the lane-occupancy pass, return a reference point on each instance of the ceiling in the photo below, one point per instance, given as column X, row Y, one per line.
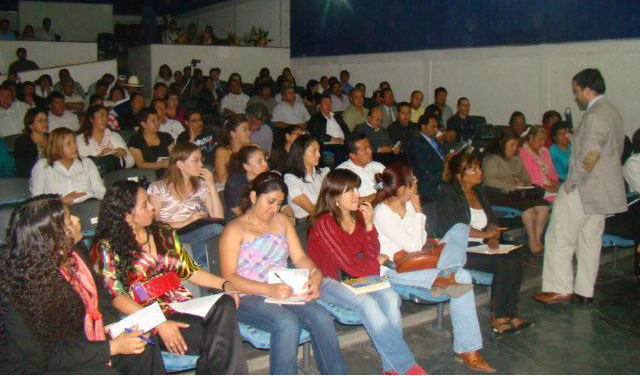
column 161, row 7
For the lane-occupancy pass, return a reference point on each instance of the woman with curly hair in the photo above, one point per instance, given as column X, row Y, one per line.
column 53, row 312
column 235, row 135
column 143, row 262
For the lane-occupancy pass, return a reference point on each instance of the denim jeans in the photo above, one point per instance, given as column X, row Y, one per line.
column 380, row 315
column 464, row 319
column 284, row 322
column 198, row 238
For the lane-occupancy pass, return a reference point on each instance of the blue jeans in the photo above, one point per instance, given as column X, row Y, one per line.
column 198, row 238
column 380, row 315
column 464, row 319
column 284, row 322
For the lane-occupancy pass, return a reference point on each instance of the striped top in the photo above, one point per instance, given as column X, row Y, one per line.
column 264, row 253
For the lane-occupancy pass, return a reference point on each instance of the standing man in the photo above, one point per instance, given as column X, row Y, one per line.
column 22, row 64
column 45, row 32
column 593, row 189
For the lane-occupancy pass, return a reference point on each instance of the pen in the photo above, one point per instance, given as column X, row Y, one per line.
column 277, row 276
column 147, row 340
column 501, row 228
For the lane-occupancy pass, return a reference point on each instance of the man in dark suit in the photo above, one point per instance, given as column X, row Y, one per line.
column 426, row 158
column 329, row 130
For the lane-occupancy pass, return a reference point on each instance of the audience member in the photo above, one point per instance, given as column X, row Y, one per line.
column 388, row 107
column 361, row 162
column 403, row 130
column 280, row 154
column 426, row 158
column 561, row 149
column 356, row 113
column 378, row 137
column 46, row 33
column 518, row 124
column 343, row 241
column 44, row 86
column 133, row 85
column 197, row 134
column 32, row 144
column 329, row 130
column 593, row 189
column 149, row 147
column 105, row 147
column 462, row 200
column 235, row 102
column 187, row 200
column 55, row 306
column 312, row 96
column 72, row 101
column 264, row 77
column 244, row 166
column 324, row 85
column 28, row 33
column 208, row 99
column 339, row 100
column 128, row 118
column 286, row 76
column 160, row 90
column 64, row 172
column 22, row 64
column 264, row 97
column 59, row 116
column 126, row 238
column 507, row 183
column 549, row 119
column 286, row 84
column 218, row 85
column 165, row 75
column 12, row 112
column 440, row 100
column 537, row 162
column 63, row 75
column 261, row 230
column 368, row 102
column 174, row 111
column 173, row 127
column 5, row 32
column 416, row 105
column 344, row 81
column 170, row 35
column 461, row 123
column 290, row 111
column 235, row 135
column 261, row 133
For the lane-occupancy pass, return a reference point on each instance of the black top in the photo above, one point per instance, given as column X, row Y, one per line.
column 402, row 133
column 465, row 128
column 152, row 153
column 427, row 165
column 127, row 120
column 233, row 190
column 278, row 160
column 377, row 138
column 25, row 153
column 205, row 140
column 453, row 208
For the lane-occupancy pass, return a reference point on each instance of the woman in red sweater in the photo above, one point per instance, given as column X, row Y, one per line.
column 343, row 240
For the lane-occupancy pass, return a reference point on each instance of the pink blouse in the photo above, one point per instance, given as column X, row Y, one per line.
column 174, row 210
column 539, row 166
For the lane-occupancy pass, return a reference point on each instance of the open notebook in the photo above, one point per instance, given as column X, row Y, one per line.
column 484, row 249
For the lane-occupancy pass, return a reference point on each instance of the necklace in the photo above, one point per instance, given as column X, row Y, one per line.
column 143, row 245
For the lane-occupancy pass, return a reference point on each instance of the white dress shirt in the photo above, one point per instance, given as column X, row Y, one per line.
column 235, row 102
column 310, row 187
column 339, row 104
column 289, row 114
column 171, row 126
column 82, row 176
column 92, row 149
column 12, row 119
column 397, row 233
column 75, row 98
column 68, row 120
column 366, row 174
column 333, row 128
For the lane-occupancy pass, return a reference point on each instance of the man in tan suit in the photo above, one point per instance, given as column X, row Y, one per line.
column 593, row 189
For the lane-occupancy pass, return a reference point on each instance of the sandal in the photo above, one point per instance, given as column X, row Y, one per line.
column 502, row 326
column 521, row 324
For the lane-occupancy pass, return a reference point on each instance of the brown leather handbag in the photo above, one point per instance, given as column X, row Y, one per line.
column 427, row 258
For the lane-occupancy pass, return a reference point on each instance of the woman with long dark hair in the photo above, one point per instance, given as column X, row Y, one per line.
column 280, row 153
column 32, row 144
column 143, row 262
column 235, row 135
column 244, row 166
column 53, row 312
column 149, row 147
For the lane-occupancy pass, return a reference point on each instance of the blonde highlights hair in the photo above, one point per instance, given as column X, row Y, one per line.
column 55, row 143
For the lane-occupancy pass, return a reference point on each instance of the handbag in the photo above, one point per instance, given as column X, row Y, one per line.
column 427, row 258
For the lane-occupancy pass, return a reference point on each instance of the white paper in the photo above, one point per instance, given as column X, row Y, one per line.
column 198, row 307
column 484, row 249
column 294, row 278
column 146, row 319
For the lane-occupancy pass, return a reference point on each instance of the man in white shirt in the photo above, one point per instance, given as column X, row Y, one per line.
column 361, row 162
column 63, row 75
column 60, row 117
column 72, row 101
column 45, row 32
column 171, row 126
column 290, row 111
column 339, row 101
column 12, row 113
column 285, row 85
column 171, row 34
column 236, row 101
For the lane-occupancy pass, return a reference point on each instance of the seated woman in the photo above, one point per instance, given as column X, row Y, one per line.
column 261, row 240
column 55, row 323
column 143, row 263
column 507, row 181
column 32, row 144
column 463, row 200
column 235, row 135
column 149, row 148
column 342, row 229
column 187, row 200
column 304, row 177
column 63, row 172
column 280, row 154
column 244, row 166
column 104, row 146
column 537, row 162
column 561, row 149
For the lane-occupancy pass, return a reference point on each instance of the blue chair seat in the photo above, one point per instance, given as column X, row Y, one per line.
column 342, row 314
column 506, row 212
column 481, row 278
column 613, row 240
column 418, row 294
column 178, row 363
column 261, row 339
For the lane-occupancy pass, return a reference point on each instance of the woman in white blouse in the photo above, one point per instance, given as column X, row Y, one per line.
column 97, row 140
column 304, row 177
column 63, row 172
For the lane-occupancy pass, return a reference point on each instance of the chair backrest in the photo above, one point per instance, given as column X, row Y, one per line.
column 126, row 134
column 5, row 216
column 87, row 211
column 13, row 190
column 10, row 141
column 129, row 174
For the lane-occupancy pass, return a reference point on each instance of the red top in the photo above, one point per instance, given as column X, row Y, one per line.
column 332, row 249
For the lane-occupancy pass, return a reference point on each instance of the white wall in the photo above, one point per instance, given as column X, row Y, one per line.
column 145, row 61
column 86, row 73
column 48, row 54
column 13, row 19
column 497, row 80
column 240, row 15
column 72, row 21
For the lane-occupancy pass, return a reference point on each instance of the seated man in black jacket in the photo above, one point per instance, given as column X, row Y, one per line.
column 426, row 158
column 329, row 130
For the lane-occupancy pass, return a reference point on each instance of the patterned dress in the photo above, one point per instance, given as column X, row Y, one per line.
column 171, row 257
